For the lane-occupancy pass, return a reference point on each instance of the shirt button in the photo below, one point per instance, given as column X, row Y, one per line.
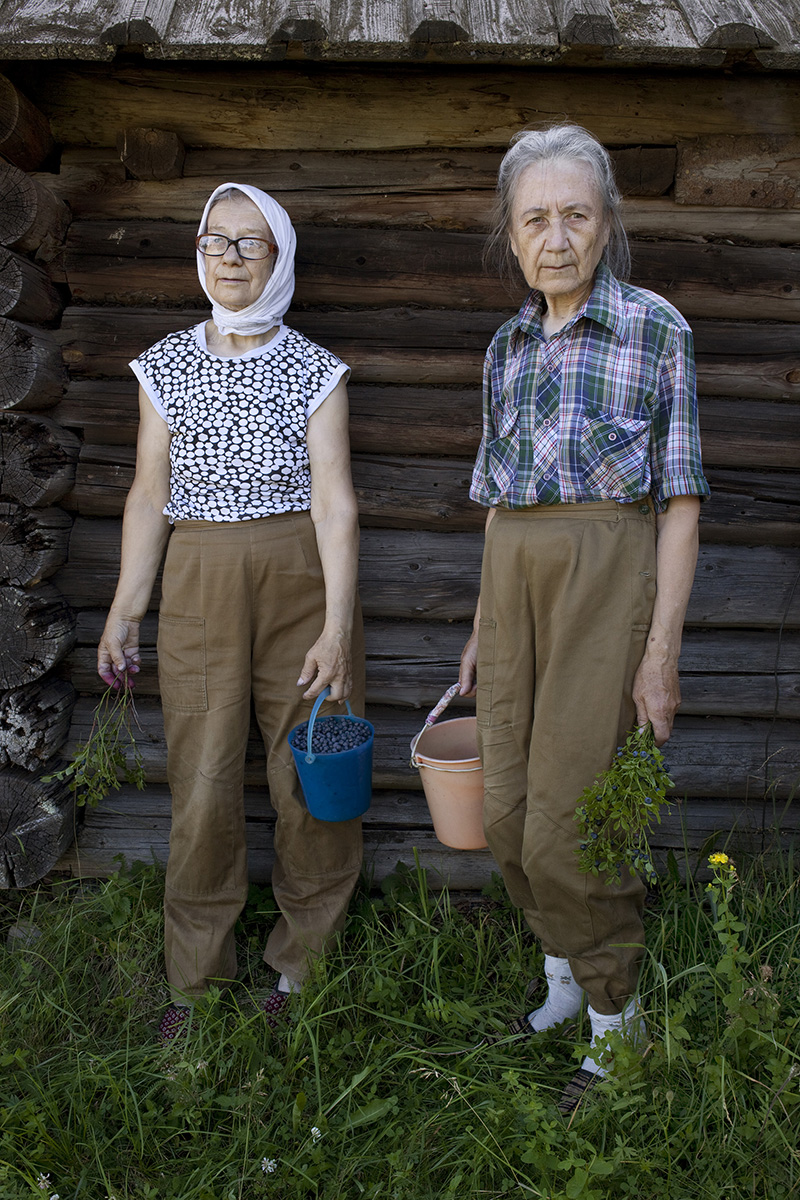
column 547, row 422
column 644, row 509
column 612, row 437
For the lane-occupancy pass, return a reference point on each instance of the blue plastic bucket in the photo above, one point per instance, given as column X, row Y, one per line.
column 336, row 786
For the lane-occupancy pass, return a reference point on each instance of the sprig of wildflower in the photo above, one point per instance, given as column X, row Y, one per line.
column 615, row 814
column 97, row 763
column 269, row 1165
column 316, row 1134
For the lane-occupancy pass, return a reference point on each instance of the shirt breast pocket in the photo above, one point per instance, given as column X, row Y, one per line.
column 614, row 455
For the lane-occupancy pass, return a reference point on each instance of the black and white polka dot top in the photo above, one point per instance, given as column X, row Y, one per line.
column 238, row 425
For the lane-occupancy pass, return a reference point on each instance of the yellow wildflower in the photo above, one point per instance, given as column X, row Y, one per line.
column 718, row 860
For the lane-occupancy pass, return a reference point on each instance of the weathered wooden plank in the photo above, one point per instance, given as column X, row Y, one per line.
column 97, row 342
column 418, row 678
column 151, row 153
column 450, row 190
column 387, row 107
column 446, row 421
column 708, row 756
column 150, row 262
column 136, row 825
column 586, row 22
column 429, row 576
column 737, row 23
column 758, row 172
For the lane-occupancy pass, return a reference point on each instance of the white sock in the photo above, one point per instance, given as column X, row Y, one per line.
column 629, row 1023
column 287, row 985
column 563, row 996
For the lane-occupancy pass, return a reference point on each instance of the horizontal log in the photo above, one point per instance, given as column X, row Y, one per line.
column 32, row 218
column 144, row 263
column 431, row 576
column 33, row 543
column 445, row 421
column 450, row 190
column 37, row 823
column 37, row 628
column 136, row 825
column 98, row 341
column 411, row 664
column 138, row 829
column 759, row 172
column 32, row 375
column 26, row 293
column 707, row 756
column 382, row 107
column 417, row 493
column 37, row 459
column 25, row 138
column 34, row 723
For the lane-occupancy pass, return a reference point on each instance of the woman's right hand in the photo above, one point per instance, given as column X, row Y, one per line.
column 118, row 656
column 468, row 673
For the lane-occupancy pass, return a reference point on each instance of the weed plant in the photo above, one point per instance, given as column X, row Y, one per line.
column 378, row 1086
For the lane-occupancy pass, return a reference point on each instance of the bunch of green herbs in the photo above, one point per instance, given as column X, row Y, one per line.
column 616, row 813
column 109, row 754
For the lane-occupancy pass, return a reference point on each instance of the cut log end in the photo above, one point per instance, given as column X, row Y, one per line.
column 34, row 723
column 37, row 824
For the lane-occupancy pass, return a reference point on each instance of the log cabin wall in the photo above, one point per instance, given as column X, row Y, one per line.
column 37, row 467
column 388, row 171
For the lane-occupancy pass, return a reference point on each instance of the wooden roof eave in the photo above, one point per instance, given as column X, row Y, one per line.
column 594, row 32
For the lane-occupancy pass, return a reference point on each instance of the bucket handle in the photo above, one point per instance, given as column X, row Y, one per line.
column 310, row 755
column 437, row 710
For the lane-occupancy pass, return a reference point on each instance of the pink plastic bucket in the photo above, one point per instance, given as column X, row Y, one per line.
column 452, row 778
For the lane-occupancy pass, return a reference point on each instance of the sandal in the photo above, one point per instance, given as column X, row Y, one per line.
column 273, row 1006
column 581, row 1083
column 173, row 1023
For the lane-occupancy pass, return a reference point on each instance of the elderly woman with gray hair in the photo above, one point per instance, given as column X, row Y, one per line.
column 590, row 468
column 243, row 463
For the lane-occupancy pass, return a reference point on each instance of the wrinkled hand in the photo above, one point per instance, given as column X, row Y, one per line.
column 468, row 673
column 118, row 657
column 657, row 695
column 328, row 664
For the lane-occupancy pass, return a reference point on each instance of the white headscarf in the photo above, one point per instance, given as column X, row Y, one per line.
column 268, row 310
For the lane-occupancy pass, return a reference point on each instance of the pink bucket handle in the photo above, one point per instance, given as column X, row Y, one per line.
column 432, row 716
column 437, row 711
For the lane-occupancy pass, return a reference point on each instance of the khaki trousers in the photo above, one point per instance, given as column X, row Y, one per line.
column 241, row 604
column 567, row 595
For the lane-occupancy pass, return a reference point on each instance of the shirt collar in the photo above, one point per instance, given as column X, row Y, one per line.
column 605, row 305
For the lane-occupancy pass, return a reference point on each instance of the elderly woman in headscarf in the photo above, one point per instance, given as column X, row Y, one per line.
column 243, row 455
column 590, row 469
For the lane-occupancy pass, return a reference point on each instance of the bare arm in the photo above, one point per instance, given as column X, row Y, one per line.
column 468, row 675
column 144, row 534
column 334, row 512
column 656, row 691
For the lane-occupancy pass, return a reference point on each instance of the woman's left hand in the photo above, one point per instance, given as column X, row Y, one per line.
column 328, row 664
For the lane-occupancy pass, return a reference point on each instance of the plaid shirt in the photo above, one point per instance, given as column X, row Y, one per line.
column 606, row 408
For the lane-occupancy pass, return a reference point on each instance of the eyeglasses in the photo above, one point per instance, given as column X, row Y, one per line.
column 214, row 245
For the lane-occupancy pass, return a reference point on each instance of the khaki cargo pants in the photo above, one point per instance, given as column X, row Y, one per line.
column 567, row 595
column 241, row 604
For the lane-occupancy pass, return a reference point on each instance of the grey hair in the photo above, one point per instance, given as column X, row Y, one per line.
column 555, row 143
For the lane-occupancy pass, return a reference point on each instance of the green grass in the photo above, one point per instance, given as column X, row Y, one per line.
column 378, row 1087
